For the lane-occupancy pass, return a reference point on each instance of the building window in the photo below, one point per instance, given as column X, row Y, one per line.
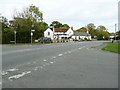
column 48, row 33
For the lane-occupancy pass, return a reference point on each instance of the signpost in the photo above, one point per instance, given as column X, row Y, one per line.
column 32, row 34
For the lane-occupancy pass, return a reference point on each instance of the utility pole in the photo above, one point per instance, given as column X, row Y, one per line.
column 32, row 30
column 115, row 31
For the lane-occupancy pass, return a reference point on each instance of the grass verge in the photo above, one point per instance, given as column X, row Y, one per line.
column 112, row 47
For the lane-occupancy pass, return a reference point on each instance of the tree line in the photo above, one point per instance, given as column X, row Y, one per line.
column 32, row 18
column 99, row 33
column 23, row 22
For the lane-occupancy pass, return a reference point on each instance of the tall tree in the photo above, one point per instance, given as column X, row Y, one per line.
column 24, row 22
column 32, row 12
column 82, row 29
column 102, row 31
column 91, row 29
column 58, row 24
column 7, row 33
column 65, row 26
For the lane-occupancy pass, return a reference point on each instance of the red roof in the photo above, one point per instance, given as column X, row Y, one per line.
column 60, row 30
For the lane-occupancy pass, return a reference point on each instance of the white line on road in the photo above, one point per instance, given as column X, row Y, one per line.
column 44, row 60
column 51, row 62
column 60, row 55
column 13, row 69
column 19, row 75
column 53, row 57
column 4, row 73
column 36, row 68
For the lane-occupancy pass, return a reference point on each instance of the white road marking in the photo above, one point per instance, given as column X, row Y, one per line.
column 53, row 57
column 44, row 60
column 79, row 48
column 60, row 55
column 11, row 70
column 51, row 62
column 0, row 83
column 88, row 49
column 4, row 73
column 19, row 75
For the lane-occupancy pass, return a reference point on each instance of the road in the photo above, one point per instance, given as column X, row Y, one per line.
column 63, row 65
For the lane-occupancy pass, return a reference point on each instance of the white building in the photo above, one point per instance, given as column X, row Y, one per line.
column 58, row 33
column 81, row 36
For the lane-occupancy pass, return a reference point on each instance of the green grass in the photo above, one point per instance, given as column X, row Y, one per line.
column 112, row 47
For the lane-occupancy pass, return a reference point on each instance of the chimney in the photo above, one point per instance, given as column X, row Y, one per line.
column 71, row 27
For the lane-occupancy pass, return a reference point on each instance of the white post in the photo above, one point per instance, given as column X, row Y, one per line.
column 15, row 36
column 53, row 33
column 31, row 36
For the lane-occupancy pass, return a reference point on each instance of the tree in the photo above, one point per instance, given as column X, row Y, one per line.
column 118, row 35
column 103, row 32
column 7, row 33
column 56, row 24
column 65, row 26
column 24, row 22
column 91, row 29
column 83, row 29
column 32, row 12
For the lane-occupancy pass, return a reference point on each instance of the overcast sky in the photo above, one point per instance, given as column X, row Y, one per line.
column 76, row 13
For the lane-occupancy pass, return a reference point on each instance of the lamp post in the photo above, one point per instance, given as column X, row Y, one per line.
column 32, row 33
column 53, row 27
column 15, row 36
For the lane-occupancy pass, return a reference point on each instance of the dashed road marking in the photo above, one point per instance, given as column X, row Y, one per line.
column 4, row 73
column 44, row 60
column 60, row 55
column 53, row 57
column 51, row 62
column 19, row 75
column 13, row 69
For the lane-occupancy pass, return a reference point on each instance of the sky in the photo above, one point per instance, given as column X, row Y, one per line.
column 75, row 13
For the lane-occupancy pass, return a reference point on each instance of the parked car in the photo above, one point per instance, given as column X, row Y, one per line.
column 45, row 40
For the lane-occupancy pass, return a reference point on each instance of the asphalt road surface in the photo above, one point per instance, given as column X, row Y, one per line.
column 63, row 65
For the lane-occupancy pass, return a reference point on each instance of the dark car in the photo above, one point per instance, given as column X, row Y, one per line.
column 45, row 40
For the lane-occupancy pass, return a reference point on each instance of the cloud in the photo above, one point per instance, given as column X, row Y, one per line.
column 76, row 13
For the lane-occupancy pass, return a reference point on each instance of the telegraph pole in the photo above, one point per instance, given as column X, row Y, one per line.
column 115, row 31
